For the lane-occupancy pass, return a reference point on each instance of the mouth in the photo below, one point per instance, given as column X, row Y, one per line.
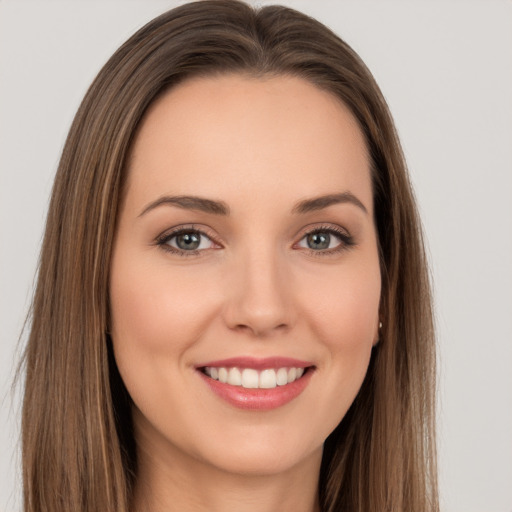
column 257, row 384
column 251, row 378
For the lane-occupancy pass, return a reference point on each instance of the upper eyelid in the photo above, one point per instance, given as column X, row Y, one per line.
column 168, row 233
column 311, row 228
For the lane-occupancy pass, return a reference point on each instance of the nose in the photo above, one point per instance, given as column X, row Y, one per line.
column 260, row 299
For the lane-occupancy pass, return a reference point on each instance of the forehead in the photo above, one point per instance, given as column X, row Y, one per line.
column 242, row 136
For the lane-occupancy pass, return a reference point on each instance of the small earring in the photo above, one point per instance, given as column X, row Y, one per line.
column 380, row 325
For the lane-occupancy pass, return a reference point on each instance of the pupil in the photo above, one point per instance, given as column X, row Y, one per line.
column 188, row 241
column 319, row 241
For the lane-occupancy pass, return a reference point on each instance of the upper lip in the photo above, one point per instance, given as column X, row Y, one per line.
column 257, row 363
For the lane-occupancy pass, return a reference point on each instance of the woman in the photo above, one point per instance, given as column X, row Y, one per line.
column 232, row 309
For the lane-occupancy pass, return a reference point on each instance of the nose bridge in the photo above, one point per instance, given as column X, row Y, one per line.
column 260, row 299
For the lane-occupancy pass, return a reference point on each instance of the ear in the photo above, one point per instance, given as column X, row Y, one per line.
column 378, row 329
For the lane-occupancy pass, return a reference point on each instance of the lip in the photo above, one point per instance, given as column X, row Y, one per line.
column 258, row 399
column 257, row 363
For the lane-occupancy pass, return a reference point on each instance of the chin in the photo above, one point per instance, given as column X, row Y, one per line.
column 264, row 460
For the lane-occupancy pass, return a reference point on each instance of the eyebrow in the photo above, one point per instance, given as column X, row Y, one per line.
column 221, row 208
column 189, row 203
column 321, row 202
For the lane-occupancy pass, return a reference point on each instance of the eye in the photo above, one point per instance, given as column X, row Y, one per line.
column 185, row 241
column 326, row 240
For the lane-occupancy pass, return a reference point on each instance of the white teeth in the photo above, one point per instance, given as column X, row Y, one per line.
column 234, row 377
column 252, row 379
column 282, row 376
column 223, row 375
column 268, row 379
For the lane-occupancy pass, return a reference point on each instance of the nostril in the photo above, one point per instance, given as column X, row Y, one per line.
column 259, row 329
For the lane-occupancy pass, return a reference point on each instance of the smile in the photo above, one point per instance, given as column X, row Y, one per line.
column 257, row 385
column 251, row 378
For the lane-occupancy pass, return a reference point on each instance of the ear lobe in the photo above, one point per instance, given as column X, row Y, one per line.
column 376, row 338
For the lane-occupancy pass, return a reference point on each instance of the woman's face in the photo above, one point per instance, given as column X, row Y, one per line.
column 245, row 277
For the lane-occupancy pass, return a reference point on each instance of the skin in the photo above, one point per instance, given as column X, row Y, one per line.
column 255, row 288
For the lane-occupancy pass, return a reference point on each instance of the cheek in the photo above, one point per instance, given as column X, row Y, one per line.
column 157, row 316
column 345, row 319
column 345, row 307
column 155, row 309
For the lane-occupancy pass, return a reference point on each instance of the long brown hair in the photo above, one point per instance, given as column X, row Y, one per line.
column 78, row 445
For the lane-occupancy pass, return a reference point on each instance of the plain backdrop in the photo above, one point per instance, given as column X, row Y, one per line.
column 445, row 68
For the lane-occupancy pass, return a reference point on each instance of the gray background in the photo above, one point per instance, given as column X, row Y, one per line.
column 445, row 68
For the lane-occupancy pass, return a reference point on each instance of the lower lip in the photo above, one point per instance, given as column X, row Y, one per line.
column 258, row 399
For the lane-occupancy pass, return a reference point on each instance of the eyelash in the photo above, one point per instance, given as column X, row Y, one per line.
column 346, row 240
